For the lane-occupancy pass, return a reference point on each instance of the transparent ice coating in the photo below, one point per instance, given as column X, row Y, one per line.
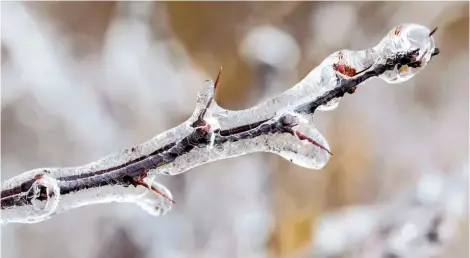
column 402, row 38
column 325, row 77
column 39, row 211
column 286, row 145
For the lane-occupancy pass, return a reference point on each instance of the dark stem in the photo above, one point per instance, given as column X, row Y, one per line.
column 132, row 172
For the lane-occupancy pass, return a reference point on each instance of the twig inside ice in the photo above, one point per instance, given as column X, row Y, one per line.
column 282, row 125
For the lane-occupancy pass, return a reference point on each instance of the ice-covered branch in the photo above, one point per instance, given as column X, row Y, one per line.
column 282, row 125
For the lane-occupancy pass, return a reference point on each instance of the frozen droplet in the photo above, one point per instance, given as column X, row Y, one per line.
column 404, row 38
column 303, row 152
column 45, row 187
column 39, row 202
column 152, row 202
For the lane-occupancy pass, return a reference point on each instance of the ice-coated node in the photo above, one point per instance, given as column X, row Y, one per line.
column 403, row 38
column 45, row 208
column 346, row 63
column 39, row 210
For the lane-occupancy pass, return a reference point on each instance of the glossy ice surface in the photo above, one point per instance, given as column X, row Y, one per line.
column 326, row 77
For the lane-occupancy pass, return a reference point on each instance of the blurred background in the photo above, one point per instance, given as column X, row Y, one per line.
column 83, row 79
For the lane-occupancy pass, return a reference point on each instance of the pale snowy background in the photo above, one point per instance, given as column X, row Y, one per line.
column 83, row 79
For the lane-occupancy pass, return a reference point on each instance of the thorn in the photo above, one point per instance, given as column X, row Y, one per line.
column 304, row 137
column 436, row 52
column 218, row 78
column 209, row 102
column 200, row 120
column 142, row 183
column 216, row 83
column 433, row 31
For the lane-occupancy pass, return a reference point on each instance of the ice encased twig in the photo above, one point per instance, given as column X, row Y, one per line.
column 38, row 211
column 410, row 36
column 338, row 66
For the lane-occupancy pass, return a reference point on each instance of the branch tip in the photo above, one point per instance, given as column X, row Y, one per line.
column 433, row 31
column 309, row 139
column 154, row 189
column 218, row 79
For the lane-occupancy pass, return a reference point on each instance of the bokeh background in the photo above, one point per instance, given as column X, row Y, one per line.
column 83, row 79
